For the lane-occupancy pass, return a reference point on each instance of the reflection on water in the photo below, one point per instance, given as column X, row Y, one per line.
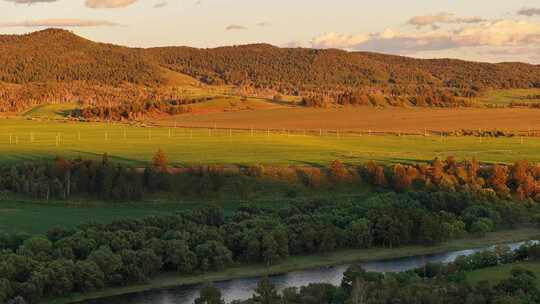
column 242, row 289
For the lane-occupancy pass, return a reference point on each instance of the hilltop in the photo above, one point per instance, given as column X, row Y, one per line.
column 58, row 66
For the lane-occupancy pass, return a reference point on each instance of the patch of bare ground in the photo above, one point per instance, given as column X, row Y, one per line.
column 368, row 118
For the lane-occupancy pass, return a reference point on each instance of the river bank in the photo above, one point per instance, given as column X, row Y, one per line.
column 295, row 263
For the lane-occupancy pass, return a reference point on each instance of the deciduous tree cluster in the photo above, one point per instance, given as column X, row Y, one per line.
column 520, row 180
column 93, row 256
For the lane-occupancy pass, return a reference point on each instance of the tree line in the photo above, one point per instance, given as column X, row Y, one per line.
column 133, row 110
column 520, row 181
column 93, row 256
column 373, row 97
column 97, row 97
column 109, row 181
column 433, row 284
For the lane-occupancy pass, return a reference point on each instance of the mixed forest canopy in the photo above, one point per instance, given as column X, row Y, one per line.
column 94, row 256
column 58, row 66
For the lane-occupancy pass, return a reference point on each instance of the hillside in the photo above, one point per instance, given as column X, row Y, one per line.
column 54, row 66
column 293, row 70
column 58, row 55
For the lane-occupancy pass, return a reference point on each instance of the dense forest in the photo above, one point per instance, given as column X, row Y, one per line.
column 129, row 111
column 294, row 71
column 432, row 284
column 109, row 181
column 58, row 66
column 93, row 256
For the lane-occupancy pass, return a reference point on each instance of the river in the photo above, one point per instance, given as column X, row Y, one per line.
column 241, row 289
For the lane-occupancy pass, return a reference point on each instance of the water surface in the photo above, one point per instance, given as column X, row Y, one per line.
column 241, row 289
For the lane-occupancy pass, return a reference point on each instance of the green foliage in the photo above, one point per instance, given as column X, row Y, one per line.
column 93, row 256
column 209, row 295
column 266, row 292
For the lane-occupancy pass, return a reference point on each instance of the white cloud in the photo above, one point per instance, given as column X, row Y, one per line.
column 161, row 4
column 493, row 34
column 293, row 44
column 235, row 27
column 109, row 3
column 58, row 23
column 339, row 41
column 529, row 12
column 442, row 18
column 29, row 2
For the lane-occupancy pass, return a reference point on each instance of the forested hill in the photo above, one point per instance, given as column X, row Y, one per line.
column 305, row 69
column 51, row 62
column 58, row 55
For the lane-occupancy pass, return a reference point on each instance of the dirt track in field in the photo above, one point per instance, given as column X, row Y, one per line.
column 412, row 120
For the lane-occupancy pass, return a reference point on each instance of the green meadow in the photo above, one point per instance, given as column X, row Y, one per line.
column 25, row 139
column 499, row 273
column 505, row 97
column 34, row 217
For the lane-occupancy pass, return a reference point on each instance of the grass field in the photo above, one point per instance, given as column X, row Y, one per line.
column 307, row 262
column 17, row 216
column 505, row 97
column 52, row 111
column 20, row 214
column 498, row 273
column 22, row 140
column 233, row 104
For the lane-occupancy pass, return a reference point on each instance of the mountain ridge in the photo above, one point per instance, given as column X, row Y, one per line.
column 60, row 56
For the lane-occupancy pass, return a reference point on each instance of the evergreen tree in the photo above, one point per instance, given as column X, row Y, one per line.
column 210, row 295
column 266, row 292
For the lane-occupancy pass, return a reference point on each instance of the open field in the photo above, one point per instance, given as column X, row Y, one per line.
column 307, row 262
column 505, row 97
column 20, row 214
column 233, row 104
column 498, row 273
column 52, row 111
column 16, row 216
column 22, row 140
column 410, row 120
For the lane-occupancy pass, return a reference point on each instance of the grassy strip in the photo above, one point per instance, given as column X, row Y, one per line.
column 499, row 273
column 26, row 140
column 307, row 262
column 18, row 214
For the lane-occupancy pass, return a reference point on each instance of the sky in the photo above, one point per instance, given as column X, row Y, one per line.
column 479, row 30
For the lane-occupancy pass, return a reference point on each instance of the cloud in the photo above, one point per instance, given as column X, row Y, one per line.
column 58, row 23
column 109, row 3
column 235, row 27
column 501, row 33
column 161, row 4
column 339, row 41
column 442, row 18
column 529, row 12
column 519, row 51
column 294, row 44
column 29, row 2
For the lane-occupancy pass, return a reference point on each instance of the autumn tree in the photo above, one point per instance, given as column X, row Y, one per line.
column 437, row 171
column 380, row 177
column 473, row 168
column 159, row 160
column 499, row 178
column 519, row 174
column 402, row 180
column 338, row 172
